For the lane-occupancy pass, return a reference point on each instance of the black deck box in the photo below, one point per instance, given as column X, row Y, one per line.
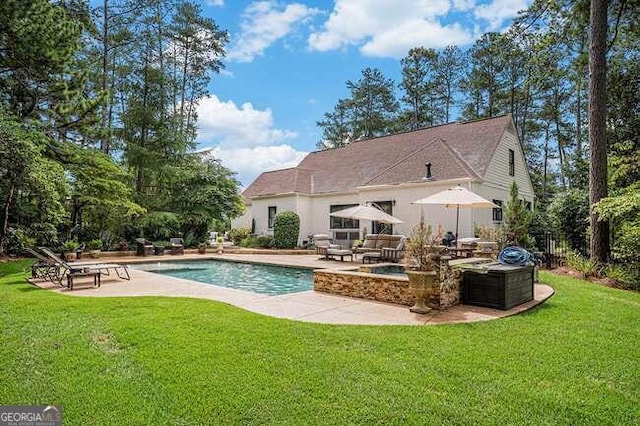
column 500, row 287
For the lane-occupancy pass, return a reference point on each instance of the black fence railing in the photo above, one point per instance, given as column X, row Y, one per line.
column 553, row 250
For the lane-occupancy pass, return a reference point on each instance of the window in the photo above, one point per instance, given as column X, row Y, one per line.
column 342, row 223
column 527, row 205
column 497, row 211
column 512, row 163
column 272, row 216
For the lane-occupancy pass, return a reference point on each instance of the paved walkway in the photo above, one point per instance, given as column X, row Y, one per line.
column 307, row 306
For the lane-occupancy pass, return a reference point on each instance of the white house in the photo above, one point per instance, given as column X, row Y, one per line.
column 483, row 155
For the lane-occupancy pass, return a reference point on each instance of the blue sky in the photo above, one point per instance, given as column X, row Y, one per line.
column 288, row 61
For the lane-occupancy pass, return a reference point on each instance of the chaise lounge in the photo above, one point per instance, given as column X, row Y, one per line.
column 329, row 251
column 64, row 268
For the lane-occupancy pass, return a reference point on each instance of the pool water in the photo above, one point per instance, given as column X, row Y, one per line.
column 389, row 270
column 256, row 278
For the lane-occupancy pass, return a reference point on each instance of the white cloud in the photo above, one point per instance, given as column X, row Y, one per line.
column 396, row 42
column 264, row 23
column 244, row 138
column 227, row 124
column 248, row 163
column 215, row 2
column 384, row 28
column 498, row 11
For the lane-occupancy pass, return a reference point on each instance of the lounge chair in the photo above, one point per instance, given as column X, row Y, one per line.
column 144, row 247
column 64, row 268
column 44, row 268
column 329, row 251
column 176, row 245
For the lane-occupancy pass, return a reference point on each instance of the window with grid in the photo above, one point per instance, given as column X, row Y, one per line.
column 340, row 222
column 272, row 216
column 497, row 211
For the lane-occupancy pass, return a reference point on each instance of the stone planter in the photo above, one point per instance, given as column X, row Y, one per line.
column 421, row 284
column 70, row 256
column 94, row 253
column 202, row 249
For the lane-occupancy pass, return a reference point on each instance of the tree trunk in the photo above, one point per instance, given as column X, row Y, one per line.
column 7, row 206
column 104, row 144
column 597, row 130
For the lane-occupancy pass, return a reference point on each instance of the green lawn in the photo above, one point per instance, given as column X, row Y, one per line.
column 154, row 360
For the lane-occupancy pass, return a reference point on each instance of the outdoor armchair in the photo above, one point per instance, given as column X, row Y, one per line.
column 176, row 245
column 144, row 247
column 394, row 254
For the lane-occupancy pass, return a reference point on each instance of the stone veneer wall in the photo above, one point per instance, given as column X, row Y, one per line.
column 383, row 288
column 386, row 288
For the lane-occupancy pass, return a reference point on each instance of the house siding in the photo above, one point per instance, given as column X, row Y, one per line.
column 497, row 175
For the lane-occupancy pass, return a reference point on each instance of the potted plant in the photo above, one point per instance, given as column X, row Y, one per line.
column 220, row 242
column 422, row 264
column 202, row 248
column 123, row 245
column 69, row 249
column 94, row 246
column 158, row 247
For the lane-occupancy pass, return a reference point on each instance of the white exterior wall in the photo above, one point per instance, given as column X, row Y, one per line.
column 260, row 210
column 243, row 221
column 320, row 220
column 304, row 210
column 405, row 195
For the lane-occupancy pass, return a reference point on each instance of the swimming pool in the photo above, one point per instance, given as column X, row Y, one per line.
column 256, row 278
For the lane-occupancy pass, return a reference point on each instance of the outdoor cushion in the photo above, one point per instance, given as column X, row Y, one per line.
column 369, row 241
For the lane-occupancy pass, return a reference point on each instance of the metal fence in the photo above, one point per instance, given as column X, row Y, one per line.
column 553, row 250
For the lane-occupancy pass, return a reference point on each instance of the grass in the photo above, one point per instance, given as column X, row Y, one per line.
column 152, row 360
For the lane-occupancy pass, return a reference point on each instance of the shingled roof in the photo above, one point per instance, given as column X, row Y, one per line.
column 455, row 150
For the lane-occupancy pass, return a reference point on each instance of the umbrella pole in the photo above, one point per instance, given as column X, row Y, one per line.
column 457, row 221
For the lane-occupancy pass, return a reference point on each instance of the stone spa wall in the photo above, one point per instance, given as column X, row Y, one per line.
column 384, row 288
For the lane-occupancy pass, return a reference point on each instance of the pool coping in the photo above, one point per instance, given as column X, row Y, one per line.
column 307, row 306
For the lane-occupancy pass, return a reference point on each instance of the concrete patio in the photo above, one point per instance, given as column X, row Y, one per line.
column 307, row 306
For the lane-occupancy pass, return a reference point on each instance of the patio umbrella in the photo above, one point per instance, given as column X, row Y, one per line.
column 457, row 197
column 366, row 213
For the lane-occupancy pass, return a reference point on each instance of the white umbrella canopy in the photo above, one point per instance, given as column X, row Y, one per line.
column 366, row 213
column 457, row 197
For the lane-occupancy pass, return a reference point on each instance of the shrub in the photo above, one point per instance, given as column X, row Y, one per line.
column 261, row 241
column 264, row 241
column 70, row 246
column 569, row 213
column 17, row 240
column 517, row 220
column 582, row 264
column 238, row 234
column 160, row 225
column 625, row 276
column 95, row 244
column 286, row 228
